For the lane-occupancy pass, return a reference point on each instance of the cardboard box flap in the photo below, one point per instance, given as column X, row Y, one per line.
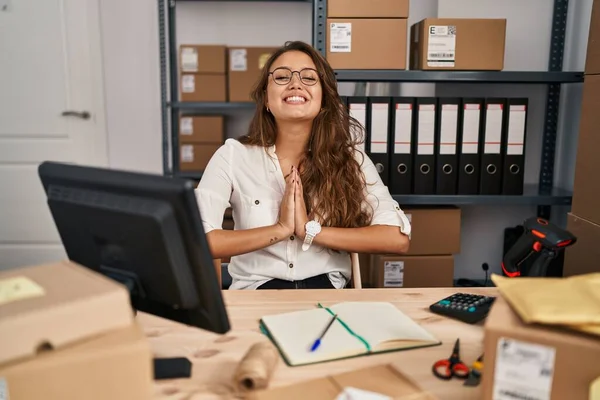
column 381, row 379
column 49, row 306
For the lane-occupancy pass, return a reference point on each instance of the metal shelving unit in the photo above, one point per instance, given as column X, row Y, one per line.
column 169, row 82
column 543, row 194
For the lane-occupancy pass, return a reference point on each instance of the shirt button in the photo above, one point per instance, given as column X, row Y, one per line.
column 291, row 265
column 256, row 202
column 291, row 238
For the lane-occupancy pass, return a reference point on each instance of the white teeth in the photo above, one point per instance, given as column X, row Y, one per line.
column 295, row 99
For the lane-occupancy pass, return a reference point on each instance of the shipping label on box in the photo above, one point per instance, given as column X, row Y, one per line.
column 239, row 60
column 393, row 274
column 189, row 59
column 188, row 83
column 341, row 37
column 523, row 370
column 441, row 47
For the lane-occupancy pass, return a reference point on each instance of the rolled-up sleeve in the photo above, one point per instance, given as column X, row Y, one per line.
column 386, row 210
column 213, row 193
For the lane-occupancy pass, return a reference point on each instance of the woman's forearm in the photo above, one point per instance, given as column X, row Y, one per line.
column 229, row 243
column 375, row 239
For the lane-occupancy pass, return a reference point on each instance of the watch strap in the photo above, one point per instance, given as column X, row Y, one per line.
column 307, row 241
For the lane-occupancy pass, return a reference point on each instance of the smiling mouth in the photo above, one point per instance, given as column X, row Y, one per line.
column 295, row 100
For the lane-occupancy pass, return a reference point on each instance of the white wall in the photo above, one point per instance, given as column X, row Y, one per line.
column 133, row 86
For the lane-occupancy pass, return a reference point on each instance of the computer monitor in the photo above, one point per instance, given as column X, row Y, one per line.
column 142, row 230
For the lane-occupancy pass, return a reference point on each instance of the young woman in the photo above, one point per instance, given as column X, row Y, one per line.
column 303, row 195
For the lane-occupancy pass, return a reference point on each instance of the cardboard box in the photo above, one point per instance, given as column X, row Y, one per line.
column 412, row 271
column 533, row 361
column 458, row 44
column 366, row 43
column 586, row 188
column 206, row 129
column 53, row 305
column 115, row 365
column 367, row 9
column 245, row 66
column 203, row 87
column 435, row 230
column 382, row 379
column 209, row 59
column 592, row 60
column 582, row 257
column 195, row 157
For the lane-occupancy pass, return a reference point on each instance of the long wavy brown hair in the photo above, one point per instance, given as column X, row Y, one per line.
column 334, row 185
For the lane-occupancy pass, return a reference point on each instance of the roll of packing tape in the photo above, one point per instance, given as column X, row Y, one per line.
column 256, row 368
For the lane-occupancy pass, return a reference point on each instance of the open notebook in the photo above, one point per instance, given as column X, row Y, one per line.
column 361, row 328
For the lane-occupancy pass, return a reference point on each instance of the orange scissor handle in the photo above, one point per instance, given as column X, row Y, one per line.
column 444, row 369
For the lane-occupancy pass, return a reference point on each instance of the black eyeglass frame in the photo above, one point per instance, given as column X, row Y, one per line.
column 299, row 76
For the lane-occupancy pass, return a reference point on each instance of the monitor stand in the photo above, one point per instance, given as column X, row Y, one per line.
column 164, row 368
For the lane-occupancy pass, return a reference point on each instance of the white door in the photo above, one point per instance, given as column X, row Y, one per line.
column 50, row 63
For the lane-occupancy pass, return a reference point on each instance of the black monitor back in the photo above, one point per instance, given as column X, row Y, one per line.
column 142, row 230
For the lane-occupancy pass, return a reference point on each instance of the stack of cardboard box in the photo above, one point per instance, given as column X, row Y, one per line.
column 213, row 73
column 202, row 73
column 199, row 139
column 435, row 239
column 367, row 34
column 584, row 219
column 218, row 73
column 67, row 333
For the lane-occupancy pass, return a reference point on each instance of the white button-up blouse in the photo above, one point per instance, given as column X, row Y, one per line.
column 250, row 181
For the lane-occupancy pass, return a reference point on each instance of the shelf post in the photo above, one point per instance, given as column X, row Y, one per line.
column 319, row 25
column 162, row 43
column 174, row 82
column 555, row 63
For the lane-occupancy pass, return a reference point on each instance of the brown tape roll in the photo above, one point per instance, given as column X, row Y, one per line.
column 256, row 367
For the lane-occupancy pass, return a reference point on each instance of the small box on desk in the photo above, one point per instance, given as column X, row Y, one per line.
column 67, row 333
column 458, row 44
column 525, row 361
column 363, row 43
column 245, row 67
column 367, row 9
column 391, row 271
column 205, row 129
column 203, row 87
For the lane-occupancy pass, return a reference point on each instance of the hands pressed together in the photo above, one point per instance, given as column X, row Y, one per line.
column 292, row 213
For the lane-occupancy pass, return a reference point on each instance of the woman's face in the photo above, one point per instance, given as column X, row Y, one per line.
column 298, row 98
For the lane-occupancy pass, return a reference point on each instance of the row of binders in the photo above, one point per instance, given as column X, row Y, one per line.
column 430, row 145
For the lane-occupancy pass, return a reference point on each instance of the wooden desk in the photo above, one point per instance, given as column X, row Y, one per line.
column 215, row 357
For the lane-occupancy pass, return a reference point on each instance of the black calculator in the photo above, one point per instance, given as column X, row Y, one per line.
column 466, row 307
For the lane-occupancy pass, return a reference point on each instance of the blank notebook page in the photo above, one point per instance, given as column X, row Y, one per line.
column 378, row 322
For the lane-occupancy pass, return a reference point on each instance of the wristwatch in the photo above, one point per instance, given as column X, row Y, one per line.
column 312, row 229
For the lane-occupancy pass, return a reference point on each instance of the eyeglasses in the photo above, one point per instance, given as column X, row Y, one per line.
column 283, row 76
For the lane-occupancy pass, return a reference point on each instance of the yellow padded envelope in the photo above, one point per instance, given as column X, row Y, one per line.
column 572, row 302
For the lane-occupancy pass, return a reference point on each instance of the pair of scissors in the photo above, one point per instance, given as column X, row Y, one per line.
column 451, row 367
